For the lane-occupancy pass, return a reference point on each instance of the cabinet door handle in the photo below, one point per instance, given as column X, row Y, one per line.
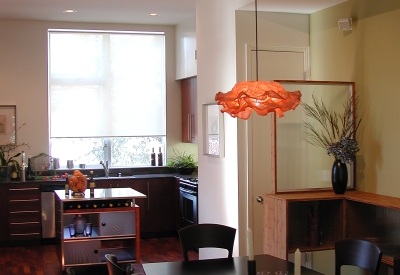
column 189, row 126
column 148, row 196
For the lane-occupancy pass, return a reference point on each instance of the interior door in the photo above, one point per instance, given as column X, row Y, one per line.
column 272, row 64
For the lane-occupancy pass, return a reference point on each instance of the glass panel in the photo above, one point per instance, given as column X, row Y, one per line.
column 310, row 166
column 125, row 151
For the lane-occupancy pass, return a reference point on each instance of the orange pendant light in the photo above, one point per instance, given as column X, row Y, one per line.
column 259, row 96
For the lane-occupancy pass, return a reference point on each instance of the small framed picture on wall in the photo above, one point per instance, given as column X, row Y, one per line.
column 213, row 129
column 7, row 124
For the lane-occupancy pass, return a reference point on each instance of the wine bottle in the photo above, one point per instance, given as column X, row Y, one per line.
column 153, row 158
column 29, row 173
column 160, row 157
column 92, row 184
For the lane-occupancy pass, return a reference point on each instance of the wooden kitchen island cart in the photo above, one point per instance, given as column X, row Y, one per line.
column 114, row 218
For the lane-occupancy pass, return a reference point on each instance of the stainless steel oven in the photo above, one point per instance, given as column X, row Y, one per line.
column 188, row 201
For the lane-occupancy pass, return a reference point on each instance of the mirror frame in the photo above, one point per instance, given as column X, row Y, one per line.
column 352, row 166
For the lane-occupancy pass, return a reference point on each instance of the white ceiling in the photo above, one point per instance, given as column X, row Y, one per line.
column 170, row 12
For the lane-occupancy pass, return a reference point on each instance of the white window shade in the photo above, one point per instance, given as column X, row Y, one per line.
column 106, row 84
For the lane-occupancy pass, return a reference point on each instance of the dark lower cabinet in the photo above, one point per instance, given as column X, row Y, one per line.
column 3, row 213
column 24, row 213
column 158, row 210
column 20, row 205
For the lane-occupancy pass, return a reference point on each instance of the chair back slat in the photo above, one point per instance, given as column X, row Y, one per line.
column 112, row 265
column 356, row 252
column 206, row 235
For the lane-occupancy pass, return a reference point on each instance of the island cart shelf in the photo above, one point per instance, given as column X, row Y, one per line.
column 115, row 221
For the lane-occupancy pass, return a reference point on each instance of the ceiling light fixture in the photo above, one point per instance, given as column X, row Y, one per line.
column 69, row 11
column 153, row 14
column 261, row 96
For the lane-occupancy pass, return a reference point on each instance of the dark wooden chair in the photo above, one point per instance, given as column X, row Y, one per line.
column 114, row 268
column 355, row 252
column 396, row 265
column 204, row 235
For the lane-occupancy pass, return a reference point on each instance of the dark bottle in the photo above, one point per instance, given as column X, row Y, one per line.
column 92, row 184
column 160, row 157
column 29, row 172
column 153, row 158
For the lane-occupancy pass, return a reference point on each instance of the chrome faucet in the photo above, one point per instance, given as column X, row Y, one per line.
column 105, row 166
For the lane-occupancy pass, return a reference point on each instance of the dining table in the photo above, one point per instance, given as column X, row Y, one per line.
column 225, row 266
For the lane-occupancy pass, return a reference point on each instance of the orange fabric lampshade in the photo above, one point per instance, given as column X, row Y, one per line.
column 261, row 96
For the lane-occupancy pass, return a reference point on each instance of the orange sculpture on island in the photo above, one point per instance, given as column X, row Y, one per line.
column 261, row 96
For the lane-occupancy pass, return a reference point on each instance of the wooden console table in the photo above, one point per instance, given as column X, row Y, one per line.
column 313, row 221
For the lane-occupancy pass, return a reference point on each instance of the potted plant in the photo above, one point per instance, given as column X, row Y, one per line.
column 183, row 162
column 8, row 164
column 336, row 134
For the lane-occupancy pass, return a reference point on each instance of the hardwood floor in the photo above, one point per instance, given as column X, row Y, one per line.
column 42, row 260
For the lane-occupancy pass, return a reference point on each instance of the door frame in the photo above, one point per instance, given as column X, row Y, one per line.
column 249, row 125
column 304, row 50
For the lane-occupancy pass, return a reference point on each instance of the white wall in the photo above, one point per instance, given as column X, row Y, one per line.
column 216, row 71
column 221, row 37
column 23, row 77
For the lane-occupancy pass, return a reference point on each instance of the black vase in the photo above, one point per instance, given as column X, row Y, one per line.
column 339, row 177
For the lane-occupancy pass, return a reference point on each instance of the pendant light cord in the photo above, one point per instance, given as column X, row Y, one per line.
column 255, row 4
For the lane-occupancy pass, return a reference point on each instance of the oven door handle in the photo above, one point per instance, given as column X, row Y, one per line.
column 187, row 191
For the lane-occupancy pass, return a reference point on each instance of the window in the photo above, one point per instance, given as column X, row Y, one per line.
column 107, row 98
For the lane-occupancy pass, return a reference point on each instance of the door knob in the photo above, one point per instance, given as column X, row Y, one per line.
column 260, row 199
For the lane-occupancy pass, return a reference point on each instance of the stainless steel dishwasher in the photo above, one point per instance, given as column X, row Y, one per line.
column 48, row 208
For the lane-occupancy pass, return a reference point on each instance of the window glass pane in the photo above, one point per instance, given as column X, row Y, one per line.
column 125, row 151
column 87, row 151
column 114, row 80
column 134, row 151
column 106, row 88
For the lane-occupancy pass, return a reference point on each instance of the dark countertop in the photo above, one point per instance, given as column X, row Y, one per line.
column 133, row 177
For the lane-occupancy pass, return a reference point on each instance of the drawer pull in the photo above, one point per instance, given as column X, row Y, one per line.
column 20, row 223
column 26, row 234
column 26, row 211
column 24, row 200
column 24, row 189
